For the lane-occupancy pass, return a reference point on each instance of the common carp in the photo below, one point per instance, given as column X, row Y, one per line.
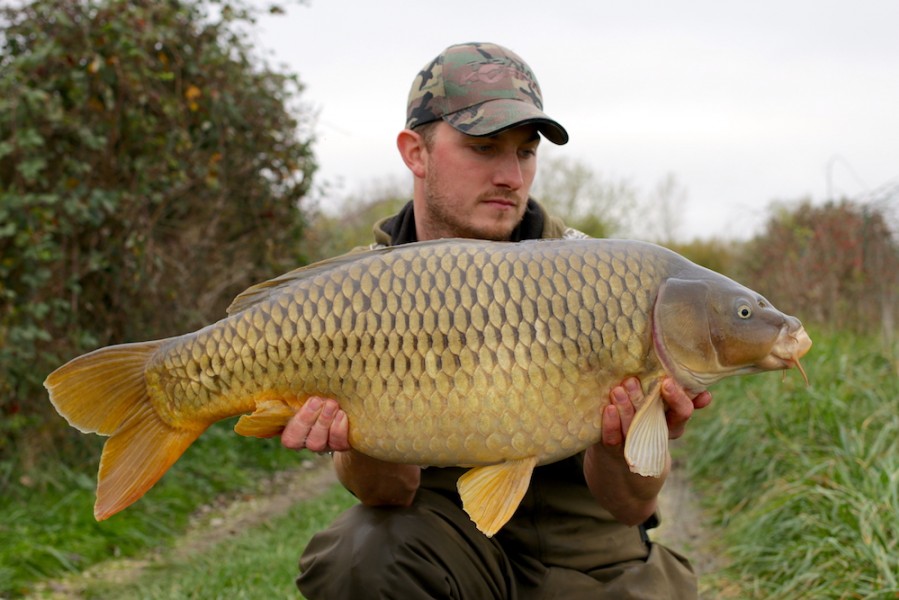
column 490, row 355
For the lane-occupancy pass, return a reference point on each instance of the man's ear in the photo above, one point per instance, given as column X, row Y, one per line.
column 412, row 148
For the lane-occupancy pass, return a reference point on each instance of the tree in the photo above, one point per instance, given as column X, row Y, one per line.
column 664, row 210
column 349, row 226
column 151, row 166
column 577, row 194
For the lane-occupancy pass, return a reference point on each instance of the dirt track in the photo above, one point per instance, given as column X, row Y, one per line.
column 684, row 528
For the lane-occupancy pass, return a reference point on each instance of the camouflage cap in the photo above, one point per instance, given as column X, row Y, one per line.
column 480, row 89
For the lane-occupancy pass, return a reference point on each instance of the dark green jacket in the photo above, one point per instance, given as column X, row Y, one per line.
column 536, row 223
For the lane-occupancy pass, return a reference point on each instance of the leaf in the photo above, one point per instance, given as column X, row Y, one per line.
column 29, row 138
column 31, row 168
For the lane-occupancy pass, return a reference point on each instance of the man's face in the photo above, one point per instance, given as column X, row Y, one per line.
column 476, row 187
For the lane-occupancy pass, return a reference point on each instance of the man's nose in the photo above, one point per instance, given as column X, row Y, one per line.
column 508, row 171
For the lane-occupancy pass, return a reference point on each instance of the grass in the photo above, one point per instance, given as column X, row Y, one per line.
column 260, row 562
column 48, row 528
column 804, row 482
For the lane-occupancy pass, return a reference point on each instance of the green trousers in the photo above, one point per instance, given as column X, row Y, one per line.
column 433, row 550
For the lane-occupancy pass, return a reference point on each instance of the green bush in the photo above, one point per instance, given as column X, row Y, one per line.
column 151, row 167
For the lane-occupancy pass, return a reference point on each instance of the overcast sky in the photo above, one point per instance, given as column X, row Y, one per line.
column 744, row 102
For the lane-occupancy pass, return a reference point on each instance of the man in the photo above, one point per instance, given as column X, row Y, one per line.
column 474, row 123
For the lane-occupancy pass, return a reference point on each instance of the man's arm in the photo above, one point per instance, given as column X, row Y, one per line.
column 321, row 426
column 632, row 498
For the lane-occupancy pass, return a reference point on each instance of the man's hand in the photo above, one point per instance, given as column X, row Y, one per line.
column 319, row 425
column 619, row 414
column 632, row 498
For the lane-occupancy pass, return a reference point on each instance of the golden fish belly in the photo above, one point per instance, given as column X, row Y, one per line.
column 453, row 354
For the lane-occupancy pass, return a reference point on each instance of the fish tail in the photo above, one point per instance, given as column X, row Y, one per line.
column 105, row 392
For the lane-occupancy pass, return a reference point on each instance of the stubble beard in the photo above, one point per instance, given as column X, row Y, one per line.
column 445, row 216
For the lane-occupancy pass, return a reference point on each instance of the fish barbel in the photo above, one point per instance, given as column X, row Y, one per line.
column 490, row 355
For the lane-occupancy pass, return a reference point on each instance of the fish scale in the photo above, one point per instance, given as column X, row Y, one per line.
column 496, row 356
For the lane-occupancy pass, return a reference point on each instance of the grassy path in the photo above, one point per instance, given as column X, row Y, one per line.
column 243, row 548
column 248, row 548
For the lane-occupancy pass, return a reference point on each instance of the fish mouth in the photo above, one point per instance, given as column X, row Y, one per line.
column 790, row 346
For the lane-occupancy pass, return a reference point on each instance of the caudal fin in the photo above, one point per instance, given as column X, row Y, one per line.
column 105, row 392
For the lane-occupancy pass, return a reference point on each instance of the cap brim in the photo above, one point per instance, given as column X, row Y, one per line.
column 494, row 116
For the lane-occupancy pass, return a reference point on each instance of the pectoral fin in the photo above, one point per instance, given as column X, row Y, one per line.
column 269, row 418
column 646, row 446
column 491, row 494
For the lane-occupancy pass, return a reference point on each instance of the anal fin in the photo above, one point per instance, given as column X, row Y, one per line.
column 491, row 494
column 269, row 418
column 646, row 446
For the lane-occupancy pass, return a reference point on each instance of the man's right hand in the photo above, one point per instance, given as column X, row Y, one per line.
column 321, row 426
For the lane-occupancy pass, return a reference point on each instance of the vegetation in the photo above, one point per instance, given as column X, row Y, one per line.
column 260, row 562
column 586, row 201
column 350, row 226
column 804, row 482
column 151, row 167
column 48, row 528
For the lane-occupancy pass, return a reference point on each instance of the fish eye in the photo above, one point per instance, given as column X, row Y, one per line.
column 744, row 311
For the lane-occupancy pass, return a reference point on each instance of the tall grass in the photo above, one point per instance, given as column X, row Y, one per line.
column 805, row 481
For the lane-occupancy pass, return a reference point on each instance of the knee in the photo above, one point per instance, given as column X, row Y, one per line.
column 366, row 548
column 422, row 550
column 373, row 535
